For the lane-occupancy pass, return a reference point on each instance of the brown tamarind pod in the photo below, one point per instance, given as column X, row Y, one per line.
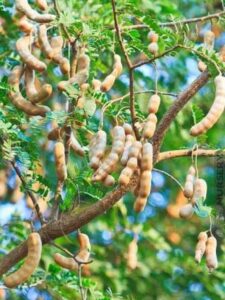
column 75, row 145
column 129, row 141
column 147, row 157
column 154, row 103
column 107, row 83
column 24, row 25
column 118, row 135
column 135, row 149
column 145, row 184
column 149, row 126
column 128, row 129
column 186, row 211
column 201, row 246
column 202, row 66
column 210, row 252
column 23, row 48
column 132, row 255
column 125, row 176
column 59, row 152
column 140, row 203
column 42, row 4
column 109, row 181
column 30, row 264
column 65, row 262
column 83, row 241
column 209, row 39
column 44, row 43
column 153, row 48
column 96, row 84
column 24, row 7
column 56, row 43
column 189, row 183
column 200, row 190
column 17, row 99
column 153, row 37
column 97, row 148
column 117, row 67
column 34, row 95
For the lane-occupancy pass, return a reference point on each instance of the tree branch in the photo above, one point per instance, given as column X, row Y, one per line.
column 187, row 152
column 170, row 115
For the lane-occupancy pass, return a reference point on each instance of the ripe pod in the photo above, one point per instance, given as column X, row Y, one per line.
column 211, row 257
column 140, row 203
column 201, row 246
column 59, row 152
column 42, row 4
column 30, row 264
column 153, row 37
column 200, row 190
column 75, row 145
column 44, row 43
column 153, row 48
column 215, row 111
column 189, row 183
column 129, row 141
column 24, row 25
column 96, row 84
column 154, row 103
column 147, row 157
column 132, row 255
column 209, row 39
column 145, row 184
column 202, row 66
column 186, row 211
column 150, row 126
column 108, row 82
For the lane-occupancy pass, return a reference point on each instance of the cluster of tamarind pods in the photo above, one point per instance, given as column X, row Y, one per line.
column 128, row 154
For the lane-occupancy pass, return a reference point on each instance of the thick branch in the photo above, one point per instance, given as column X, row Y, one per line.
column 187, row 152
column 168, row 118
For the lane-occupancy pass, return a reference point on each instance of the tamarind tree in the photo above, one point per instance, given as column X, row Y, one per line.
column 112, row 152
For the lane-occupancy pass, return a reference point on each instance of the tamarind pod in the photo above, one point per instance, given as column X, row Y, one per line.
column 132, row 163
column 55, row 133
column 106, row 167
column 24, row 25
column 109, row 181
column 129, row 141
column 44, row 43
column 211, row 257
column 150, row 126
column 147, row 157
column 153, row 37
column 83, row 62
column 201, row 246
column 79, row 79
column 24, row 7
column 215, row 111
column 95, row 163
column 75, row 145
column 65, row 262
column 209, row 39
column 59, row 152
column 189, row 183
column 107, row 83
column 132, row 255
column 118, row 135
column 200, row 190
column 125, row 176
column 99, row 175
column 15, row 76
column 2, row 294
column 30, row 264
column 140, row 203
column 98, row 144
column 33, row 95
column 128, row 129
column 154, row 103
column 42, row 4
column 23, row 48
column 202, row 66
column 83, row 241
column 117, row 67
column 153, row 48
column 83, row 255
column 186, row 211
column 96, row 84
column 145, row 184
column 135, row 149
column 222, row 53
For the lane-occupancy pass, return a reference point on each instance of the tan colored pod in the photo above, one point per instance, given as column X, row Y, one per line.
column 215, row 111
column 145, row 184
column 23, row 48
column 211, row 257
column 135, row 149
column 44, row 43
column 140, row 203
column 125, row 176
column 189, row 183
column 24, row 7
column 200, row 190
column 24, row 25
column 149, row 126
column 154, row 103
column 153, row 37
column 76, row 146
column 107, row 83
column 56, row 133
column 17, row 99
column 209, row 39
column 65, row 262
column 96, row 84
column 118, row 135
column 186, row 211
column 56, row 43
column 132, row 255
column 30, row 264
column 109, row 181
column 34, row 95
column 147, row 157
column 42, row 4
column 153, row 48
column 59, row 153
column 97, row 148
column 84, row 241
column 201, row 66
column 201, row 246
column 128, row 129
column 129, row 141
column 117, row 67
